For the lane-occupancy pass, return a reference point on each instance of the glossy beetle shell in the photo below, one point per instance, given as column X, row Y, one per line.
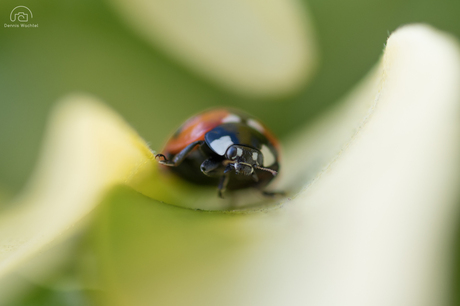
column 220, row 128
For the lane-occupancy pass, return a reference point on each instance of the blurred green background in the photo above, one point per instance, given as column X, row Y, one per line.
column 84, row 46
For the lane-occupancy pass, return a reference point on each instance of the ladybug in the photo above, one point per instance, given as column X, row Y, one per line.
column 225, row 148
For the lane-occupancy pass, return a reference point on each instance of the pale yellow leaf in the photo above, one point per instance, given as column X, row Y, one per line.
column 255, row 47
column 88, row 150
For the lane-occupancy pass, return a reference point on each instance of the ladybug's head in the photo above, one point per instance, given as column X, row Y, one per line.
column 245, row 159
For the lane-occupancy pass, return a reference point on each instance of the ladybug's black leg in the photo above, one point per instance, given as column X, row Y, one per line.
column 224, row 180
column 222, row 185
column 179, row 157
column 272, row 194
column 212, row 167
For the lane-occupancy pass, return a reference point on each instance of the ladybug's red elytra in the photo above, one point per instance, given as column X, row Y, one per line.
column 223, row 147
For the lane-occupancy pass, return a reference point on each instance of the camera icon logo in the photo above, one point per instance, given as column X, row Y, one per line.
column 21, row 13
column 21, row 16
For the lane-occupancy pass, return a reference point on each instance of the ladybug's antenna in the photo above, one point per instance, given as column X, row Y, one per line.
column 266, row 169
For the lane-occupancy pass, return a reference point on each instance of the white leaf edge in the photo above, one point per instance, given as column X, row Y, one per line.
column 376, row 226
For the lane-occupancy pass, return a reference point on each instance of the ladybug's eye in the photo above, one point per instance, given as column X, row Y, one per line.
column 234, row 152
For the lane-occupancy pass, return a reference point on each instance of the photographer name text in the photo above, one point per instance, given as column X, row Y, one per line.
column 22, row 25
